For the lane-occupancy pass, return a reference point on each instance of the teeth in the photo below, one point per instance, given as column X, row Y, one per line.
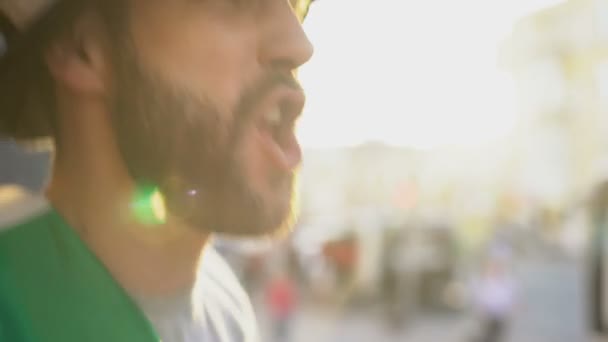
column 273, row 117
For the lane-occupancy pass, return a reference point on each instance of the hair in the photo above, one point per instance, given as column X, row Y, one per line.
column 28, row 108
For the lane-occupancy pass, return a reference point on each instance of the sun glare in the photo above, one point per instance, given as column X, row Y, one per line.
column 420, row 74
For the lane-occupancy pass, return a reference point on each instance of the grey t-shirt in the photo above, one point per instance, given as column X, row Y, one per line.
column 217, row 309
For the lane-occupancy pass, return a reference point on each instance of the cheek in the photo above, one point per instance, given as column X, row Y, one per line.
column 209, row 60
column 214, row 79
column 252, row 161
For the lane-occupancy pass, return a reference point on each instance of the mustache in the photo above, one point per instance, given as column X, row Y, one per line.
column 262, row 87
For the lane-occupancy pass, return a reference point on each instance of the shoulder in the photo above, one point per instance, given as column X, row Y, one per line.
column 22, row 221
column 225, row 301
column 19, row 207
column 27, row 241
column 21, row 214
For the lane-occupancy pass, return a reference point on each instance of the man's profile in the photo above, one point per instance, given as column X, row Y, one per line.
column 170, row 120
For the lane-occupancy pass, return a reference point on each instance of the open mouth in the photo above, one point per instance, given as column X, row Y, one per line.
column 276, row 122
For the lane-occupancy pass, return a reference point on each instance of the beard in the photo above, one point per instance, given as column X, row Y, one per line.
column 185, row 146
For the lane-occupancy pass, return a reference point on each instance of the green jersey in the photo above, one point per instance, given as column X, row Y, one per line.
column 52, row 288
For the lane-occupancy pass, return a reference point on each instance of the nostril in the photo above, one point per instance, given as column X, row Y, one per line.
column 283, row 66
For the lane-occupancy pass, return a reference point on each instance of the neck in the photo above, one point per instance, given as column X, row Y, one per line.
column 92, row 190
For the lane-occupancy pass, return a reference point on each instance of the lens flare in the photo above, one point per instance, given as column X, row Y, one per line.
column 149, row 206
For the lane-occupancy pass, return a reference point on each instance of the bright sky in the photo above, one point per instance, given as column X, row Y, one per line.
column 422, row 74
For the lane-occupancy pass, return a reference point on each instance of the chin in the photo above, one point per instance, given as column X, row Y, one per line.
column 273, row 215
column 236, row 207
column 244, row 218
column 257, row 226
column 275, row 221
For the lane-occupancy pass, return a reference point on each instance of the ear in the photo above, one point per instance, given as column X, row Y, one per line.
column 78, row 59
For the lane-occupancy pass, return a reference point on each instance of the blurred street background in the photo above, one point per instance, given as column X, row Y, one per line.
column 454, row 177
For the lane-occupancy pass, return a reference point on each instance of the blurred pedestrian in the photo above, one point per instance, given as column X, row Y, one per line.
column 495, row 299
column 281, row 298
column 392, row 284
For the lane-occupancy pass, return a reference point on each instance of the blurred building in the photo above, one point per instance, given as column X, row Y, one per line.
column 371, row 190
column 558, row 58
column 26, row 168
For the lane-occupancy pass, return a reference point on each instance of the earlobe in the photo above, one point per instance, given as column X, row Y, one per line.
column 77, row 61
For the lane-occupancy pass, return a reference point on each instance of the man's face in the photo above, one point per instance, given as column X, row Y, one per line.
column 204, row 107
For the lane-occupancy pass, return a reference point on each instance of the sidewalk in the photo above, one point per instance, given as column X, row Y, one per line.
column 553, row 312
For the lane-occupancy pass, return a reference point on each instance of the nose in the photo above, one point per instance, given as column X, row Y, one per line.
column 284, row 44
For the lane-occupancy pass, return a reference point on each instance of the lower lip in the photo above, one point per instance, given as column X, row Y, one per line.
column 286, row 156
